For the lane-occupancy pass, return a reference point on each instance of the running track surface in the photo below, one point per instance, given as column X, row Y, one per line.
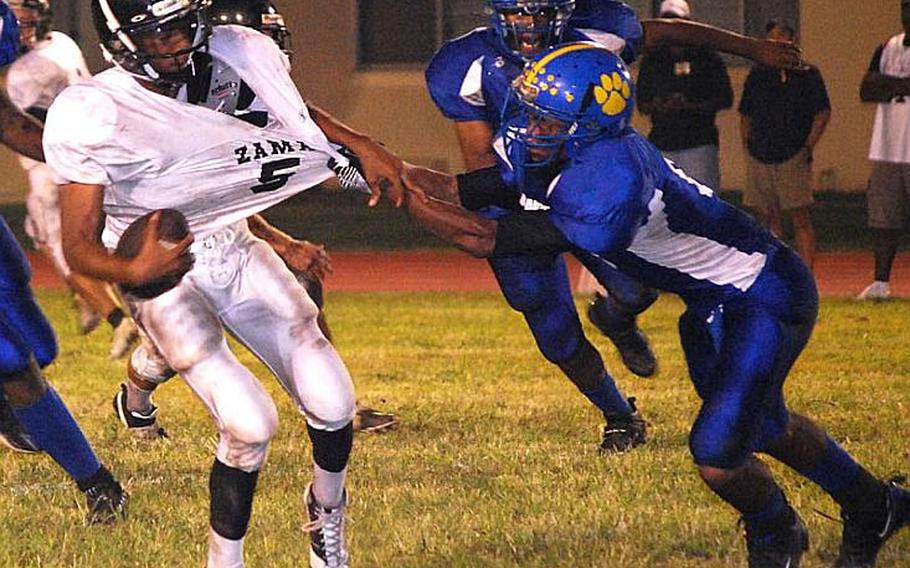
column 841, row 274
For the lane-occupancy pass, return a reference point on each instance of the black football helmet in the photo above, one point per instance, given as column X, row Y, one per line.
column 36, row 25
column 261, row 15
column 124, row 25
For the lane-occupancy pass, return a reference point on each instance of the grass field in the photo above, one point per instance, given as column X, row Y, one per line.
column 495, row 462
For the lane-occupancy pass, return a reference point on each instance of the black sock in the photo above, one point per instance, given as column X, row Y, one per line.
column 231, row 504
column 100, row 476
column 884, row 245
column 115, row 317
column 865, row 494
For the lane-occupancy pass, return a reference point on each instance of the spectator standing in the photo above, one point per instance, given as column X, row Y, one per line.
column 783, row 115
column 682, row 89
column 887, row 83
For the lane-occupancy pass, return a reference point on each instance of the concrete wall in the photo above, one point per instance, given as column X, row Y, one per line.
column 837, row 35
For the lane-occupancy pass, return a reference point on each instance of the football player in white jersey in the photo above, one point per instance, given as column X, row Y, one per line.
column 227, row 93
column 125, row 145
column 50, row 62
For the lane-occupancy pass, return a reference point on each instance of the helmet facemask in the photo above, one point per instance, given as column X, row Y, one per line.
column 563, row 100
column 527, row 27
column 158, row 48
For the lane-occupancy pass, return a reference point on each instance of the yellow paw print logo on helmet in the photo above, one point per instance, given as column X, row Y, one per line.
column 613, row 93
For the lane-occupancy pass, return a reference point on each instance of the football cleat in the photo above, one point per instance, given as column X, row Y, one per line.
column 624, row 432
column 621, row 329
column 371, row 420
column 12, row 434
column 781, row 548
column 141, row 425
column 107, row 503
column 876, row 291
column 126, row 334
column 328, row 547
column 865, row 532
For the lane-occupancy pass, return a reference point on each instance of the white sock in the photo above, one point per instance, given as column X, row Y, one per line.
column 328, row 487
column 224, row 552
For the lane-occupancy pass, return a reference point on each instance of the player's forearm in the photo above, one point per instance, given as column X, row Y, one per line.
column 676, row 31
column 465, row 230
column 337, row 131
column 879, row 88
column 87, row 256
column 19, row 131
column 275, row 237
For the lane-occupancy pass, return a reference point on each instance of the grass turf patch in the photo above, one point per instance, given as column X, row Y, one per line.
column 494, row 464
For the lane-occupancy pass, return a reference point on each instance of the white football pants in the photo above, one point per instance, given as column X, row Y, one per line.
column 239, row 283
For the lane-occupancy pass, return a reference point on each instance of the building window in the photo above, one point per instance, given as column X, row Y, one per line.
column 394, row 32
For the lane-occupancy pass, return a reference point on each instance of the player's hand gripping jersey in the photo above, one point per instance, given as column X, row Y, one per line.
column 215, row 169
column 469, row 76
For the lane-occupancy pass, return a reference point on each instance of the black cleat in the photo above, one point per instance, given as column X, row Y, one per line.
column 622, row 433
column 12, row 434
column 371, row 420
column 107, row 503
column 865, row 532
column 141, row 425
column 620, row 327
column 781, row 548
column 328, row 544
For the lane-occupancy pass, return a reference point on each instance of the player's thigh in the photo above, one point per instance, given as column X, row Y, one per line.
column 886, row 196
column 277, row 322
column 794, row 182
column 744, row 405
column 24, row 332
column 528, row 282
column 182, row 323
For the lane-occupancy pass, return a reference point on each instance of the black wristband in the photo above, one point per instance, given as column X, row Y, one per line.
column 483, row 188
column 528, row 233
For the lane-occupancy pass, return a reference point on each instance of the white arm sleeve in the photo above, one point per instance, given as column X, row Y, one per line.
column 79, row 136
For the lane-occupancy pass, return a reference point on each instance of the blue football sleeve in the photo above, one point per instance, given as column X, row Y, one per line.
column 9, row 35
column 445, row 76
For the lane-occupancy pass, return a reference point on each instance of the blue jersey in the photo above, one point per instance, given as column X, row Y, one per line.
column 621, row 199
column 469, row 77
column 9, row 35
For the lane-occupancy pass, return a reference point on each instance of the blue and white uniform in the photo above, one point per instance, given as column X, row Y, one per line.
column 751, row 302
column 469, row 80
column 24, row 331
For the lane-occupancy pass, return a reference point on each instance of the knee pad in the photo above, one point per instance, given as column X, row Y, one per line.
column 245, row 438
column 331, row 450
column 557, row 331
column 718, row 447
column 25, row 388
column 231, row 500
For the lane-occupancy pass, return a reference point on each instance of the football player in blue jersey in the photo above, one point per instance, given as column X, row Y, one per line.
column 751, row 302
column 468, row 80
column 33, row 417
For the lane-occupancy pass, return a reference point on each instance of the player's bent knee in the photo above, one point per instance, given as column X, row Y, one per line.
column 147, row 368
column 26, row 388
column 717, row 450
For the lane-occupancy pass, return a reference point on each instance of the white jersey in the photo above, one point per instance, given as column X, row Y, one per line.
column 154, row 152
column 891, row 130
column 36, row 78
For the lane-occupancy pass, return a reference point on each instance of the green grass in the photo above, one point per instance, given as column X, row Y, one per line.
column 495, row 462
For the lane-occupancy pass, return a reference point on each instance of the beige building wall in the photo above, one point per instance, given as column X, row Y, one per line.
column 837, row 35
